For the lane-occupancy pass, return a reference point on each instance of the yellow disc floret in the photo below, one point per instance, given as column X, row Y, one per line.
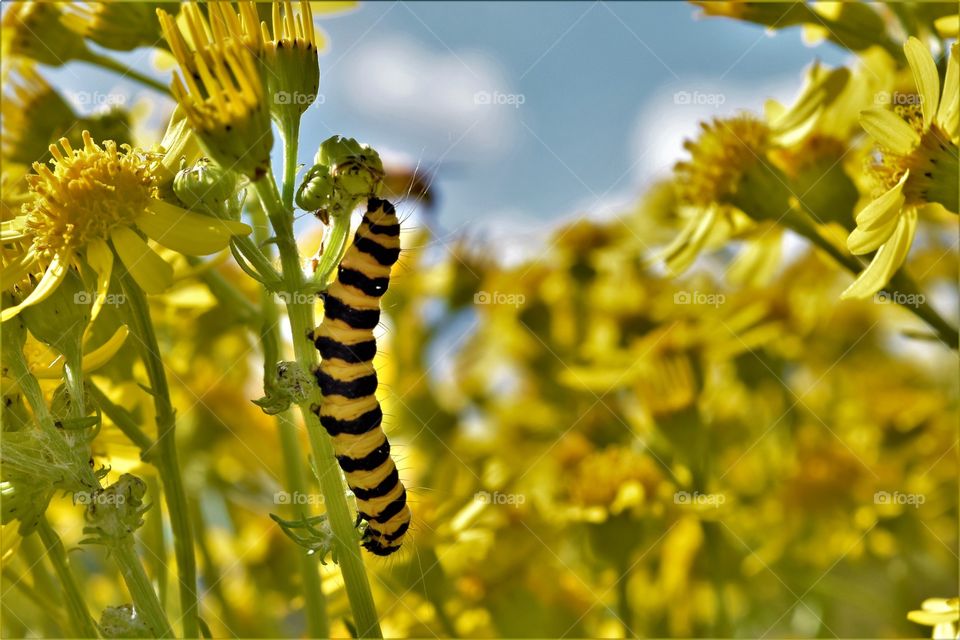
column 88, row 193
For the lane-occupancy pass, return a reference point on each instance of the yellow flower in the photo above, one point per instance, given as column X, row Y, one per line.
column 940, row 613
column 221, row 90
column 709, row 183
column 115, row 25
column 95, row 198
column 918, row 167
column 33, row 30
column 33, row 115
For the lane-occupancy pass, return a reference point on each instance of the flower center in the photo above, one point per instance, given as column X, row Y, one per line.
column 725, row 150
column 932, row 164
column 89, row 192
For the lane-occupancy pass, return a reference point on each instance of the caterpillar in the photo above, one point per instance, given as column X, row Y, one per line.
column 350, row 411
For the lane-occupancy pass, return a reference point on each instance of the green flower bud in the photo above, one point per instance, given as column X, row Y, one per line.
column 336, row 149
column 116, row 512
column 316, row 190
column 209, row 188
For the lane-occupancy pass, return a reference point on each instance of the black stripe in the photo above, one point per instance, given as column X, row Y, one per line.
column 367, row 463
column 336, row 309
column 392, row 509
column 375, row 204
column 392, row 229
column 377, row 251
column 352, row 389
column 402, row 529
column 351, row 353
column 380, row 490
column 373, row 287
column 379, row 549
column 358, row 426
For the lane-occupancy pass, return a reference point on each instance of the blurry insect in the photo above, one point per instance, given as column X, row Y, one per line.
column 350, row 411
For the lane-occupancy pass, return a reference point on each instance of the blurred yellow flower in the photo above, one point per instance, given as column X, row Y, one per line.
column 940, row 613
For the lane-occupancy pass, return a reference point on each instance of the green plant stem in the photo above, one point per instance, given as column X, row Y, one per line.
column 246, row 247
column 336, row 244
column 73, row 378
column 166, row 454
column 109, row 63
column 300, row 316
column 902, row 284
column 315, row 604
column 83, row 624
column 291, row 135
column 153, row 540
column 144, row 597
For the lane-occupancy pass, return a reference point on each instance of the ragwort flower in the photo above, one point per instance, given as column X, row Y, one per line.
column 95, row 201
column 917, row 167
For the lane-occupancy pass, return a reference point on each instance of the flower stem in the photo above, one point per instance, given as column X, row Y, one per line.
column 83, row 624
column 946, row 334
column 291, row 135
column 300, row 316
column 109, row 63
column 166, row 454
column 144, row 597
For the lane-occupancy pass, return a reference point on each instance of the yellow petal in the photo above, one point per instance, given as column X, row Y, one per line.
column 684, row 250
column 885, row 208
column 862, row 240
column 822, row 90
column 17, row 269
column 187, row 232
column 889, row 130
column 12, row 229
column 886, row 261
column 101, row 355
column 100, row 259
column 948, row 115
column 147, row 268
column 51, row 279
column 925, row 76
column 92, row 360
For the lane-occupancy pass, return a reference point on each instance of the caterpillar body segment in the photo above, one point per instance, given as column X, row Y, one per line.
column 350, row 411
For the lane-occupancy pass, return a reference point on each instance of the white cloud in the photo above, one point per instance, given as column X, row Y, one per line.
column 457, row 101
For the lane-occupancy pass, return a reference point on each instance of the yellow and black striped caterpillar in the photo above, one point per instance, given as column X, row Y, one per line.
column 350, row 412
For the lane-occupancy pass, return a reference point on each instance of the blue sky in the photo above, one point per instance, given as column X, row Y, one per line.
column 532, row 111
